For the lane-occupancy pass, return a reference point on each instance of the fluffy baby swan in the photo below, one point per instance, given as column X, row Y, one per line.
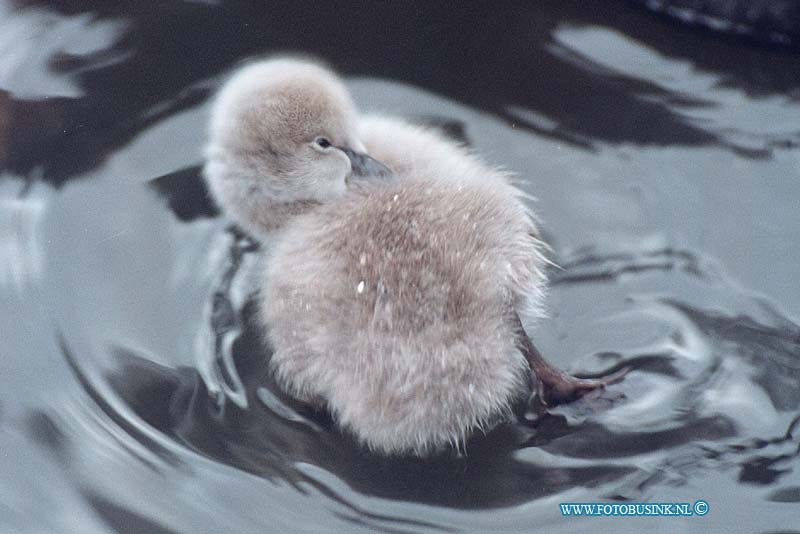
column 394, row 301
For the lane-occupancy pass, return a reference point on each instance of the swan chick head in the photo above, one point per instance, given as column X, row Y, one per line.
column 281, row 140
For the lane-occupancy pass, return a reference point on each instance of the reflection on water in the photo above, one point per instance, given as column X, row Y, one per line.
column 136, row 396
column 21, row 249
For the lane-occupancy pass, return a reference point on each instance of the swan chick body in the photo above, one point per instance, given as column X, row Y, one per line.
column 394, row 302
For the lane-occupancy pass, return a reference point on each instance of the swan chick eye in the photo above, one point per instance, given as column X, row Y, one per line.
column 322, row 142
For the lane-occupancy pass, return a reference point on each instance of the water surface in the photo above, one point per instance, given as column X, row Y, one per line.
column 135, row 396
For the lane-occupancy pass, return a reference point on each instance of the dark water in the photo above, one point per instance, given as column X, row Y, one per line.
column 133, row 392
column 773, row 22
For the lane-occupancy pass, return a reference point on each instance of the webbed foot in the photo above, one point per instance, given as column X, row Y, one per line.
column 555, row 386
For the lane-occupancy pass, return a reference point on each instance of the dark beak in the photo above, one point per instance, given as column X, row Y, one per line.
column 366, row 167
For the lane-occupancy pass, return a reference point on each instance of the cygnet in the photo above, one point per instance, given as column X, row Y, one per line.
column 395, row 283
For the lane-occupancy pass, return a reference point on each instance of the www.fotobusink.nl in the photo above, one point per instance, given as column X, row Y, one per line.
column 605, row 509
